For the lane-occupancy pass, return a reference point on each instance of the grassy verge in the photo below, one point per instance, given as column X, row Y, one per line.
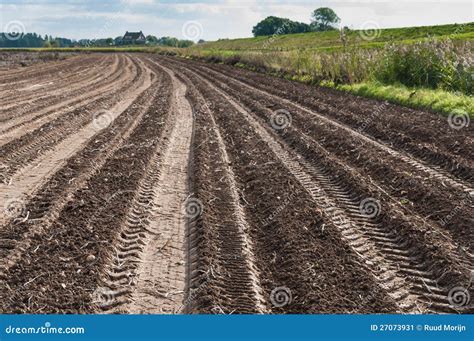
column 435, row 100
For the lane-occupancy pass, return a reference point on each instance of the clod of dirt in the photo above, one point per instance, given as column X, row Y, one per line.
column 90, row 258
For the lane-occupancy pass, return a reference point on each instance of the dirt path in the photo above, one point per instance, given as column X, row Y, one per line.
column 160, row 282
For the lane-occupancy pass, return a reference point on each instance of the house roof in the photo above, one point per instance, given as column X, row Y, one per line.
column 132, row 35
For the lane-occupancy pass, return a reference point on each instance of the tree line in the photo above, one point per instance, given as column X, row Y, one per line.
column 322, row 19
column 36, row 40
column 31, row 40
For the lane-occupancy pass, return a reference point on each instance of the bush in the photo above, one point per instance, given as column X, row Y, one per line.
column 435, row 64
column 431, row 64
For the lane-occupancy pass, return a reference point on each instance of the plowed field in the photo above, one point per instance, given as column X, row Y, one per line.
column 136, row 183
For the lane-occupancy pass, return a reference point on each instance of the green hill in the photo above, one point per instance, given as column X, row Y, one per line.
column 331, row 40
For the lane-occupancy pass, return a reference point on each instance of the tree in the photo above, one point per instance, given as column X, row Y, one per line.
column 185, row 43
column 275, row 25
column 324, row 19
column 109, row 41
column 151, row 40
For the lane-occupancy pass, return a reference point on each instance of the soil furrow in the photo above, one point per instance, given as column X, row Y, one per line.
column 77, row 252
column 139, row 183
column 44, row 207
column 22, row 75
column 24, row 182
column 402, row 182
column 20, row 152
column 423, row 135
column 359, row 229
column 31, row 116
column 293, row 236
column 76, row 77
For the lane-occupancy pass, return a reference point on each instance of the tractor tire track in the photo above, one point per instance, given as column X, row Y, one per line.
column 439, row 200
column 391, row 261
column 299, row 268
column 24, row 182
column 45, row 206
column 430, row 163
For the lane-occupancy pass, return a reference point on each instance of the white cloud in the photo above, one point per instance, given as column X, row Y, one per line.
column 220, row 19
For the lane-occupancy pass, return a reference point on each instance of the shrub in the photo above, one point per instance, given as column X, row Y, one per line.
column 435, row 64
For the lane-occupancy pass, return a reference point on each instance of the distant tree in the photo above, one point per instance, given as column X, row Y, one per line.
column 185, row 43
column 151, row 40
column 84, row 42
column 109, row 41
column 201, row 41
column 32, row 40
column 168, row 41
column 47, row 44
column 275, row 25
column 324, row 19
column 174, row 42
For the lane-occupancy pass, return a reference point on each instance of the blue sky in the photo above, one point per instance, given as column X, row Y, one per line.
column 215, row 19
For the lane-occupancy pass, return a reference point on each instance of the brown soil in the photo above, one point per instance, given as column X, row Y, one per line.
column 193, row 198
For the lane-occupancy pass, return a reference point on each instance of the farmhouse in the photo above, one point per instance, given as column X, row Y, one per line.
column 133, row 38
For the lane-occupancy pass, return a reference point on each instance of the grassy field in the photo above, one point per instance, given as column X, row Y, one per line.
column 429, row 67
column 331, row 40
